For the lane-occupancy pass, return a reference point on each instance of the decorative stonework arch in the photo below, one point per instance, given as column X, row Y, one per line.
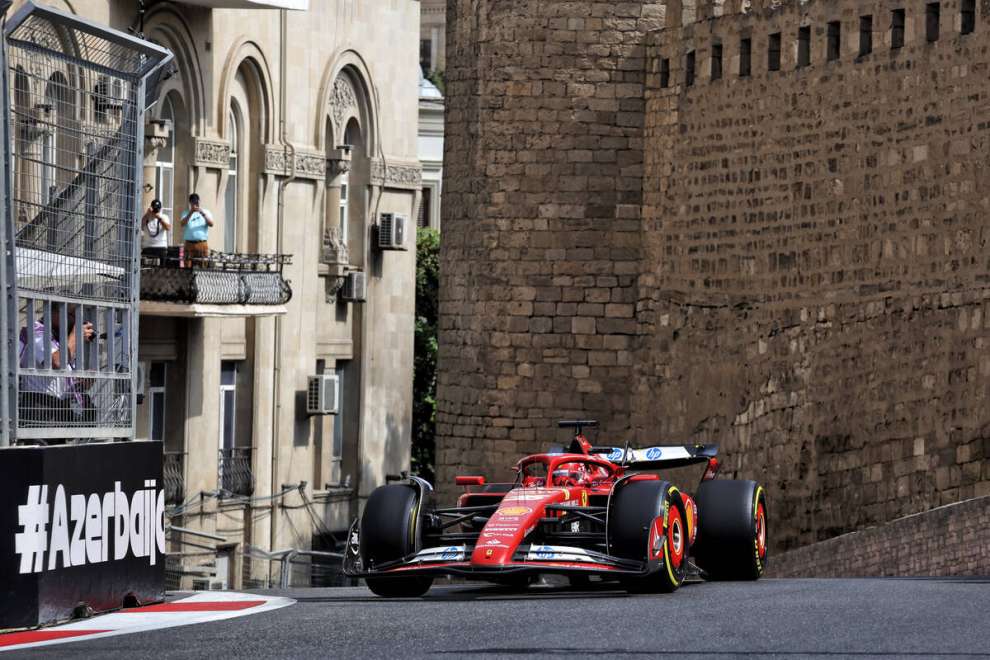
column 169, row 27
column 348, row 92
column 247, row 56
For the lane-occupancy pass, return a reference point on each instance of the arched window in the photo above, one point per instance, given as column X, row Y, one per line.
column 165, row 163
column 233, row 191
column 57, row 104
column 352, row 136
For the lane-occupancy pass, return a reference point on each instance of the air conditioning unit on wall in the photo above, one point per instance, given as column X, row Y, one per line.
column 355, row 287
column 392, row 231
column 323, row 395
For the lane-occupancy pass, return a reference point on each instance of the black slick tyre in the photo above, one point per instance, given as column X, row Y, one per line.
column 390, row 531
column 646, row 522
column 732, row 530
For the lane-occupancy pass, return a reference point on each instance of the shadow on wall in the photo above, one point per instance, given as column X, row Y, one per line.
column 394, row 458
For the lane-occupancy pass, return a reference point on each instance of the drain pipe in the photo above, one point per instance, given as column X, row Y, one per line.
column 290, row 172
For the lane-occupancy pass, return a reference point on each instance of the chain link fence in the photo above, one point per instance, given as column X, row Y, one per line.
column 75, row 104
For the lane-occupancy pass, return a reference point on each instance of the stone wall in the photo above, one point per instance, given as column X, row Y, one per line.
column 541, row 218
column 951, row 540
column 815, row 294
column 804, row 252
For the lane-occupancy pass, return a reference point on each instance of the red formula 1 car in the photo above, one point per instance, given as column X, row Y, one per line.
column 585, row 511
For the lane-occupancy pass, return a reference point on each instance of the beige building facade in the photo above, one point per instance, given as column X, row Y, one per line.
column 298, row 130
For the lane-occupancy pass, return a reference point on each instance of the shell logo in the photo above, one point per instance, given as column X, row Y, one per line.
column 515, row 510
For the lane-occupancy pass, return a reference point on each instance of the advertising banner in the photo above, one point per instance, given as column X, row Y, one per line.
column 79, row 524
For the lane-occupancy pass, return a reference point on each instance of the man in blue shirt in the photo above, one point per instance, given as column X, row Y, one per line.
column 196, row 222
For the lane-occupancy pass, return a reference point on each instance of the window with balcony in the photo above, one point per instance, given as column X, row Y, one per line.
column 234, row 462
column 228, row 403
column 156, row 399
column 341, row 418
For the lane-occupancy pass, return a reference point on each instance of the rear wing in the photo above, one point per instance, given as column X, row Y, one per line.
column 657, row 457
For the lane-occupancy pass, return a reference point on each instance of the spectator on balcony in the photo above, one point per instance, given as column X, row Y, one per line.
column 197, row 222
column 54, row 399
column 155, row 226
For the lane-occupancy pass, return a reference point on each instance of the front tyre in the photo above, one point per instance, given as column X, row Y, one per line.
column 390, row 530
column 732, row 531
column 404, row 587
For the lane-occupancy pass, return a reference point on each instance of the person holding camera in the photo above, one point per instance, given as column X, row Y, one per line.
column 197, row 222
column 155, row 226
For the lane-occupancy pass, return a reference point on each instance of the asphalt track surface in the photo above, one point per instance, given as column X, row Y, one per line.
column 859, row 618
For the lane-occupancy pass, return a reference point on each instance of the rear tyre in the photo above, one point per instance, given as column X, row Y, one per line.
column 390, row 530
column 732, row 531
column 647, row 523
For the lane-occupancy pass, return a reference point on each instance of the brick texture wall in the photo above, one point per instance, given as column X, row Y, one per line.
column 542, row 241
column 792, row 264
column 814, row 295
column 950, row 540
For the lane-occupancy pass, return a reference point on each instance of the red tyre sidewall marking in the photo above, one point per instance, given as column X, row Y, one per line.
column 675, row 537
column 761, row 531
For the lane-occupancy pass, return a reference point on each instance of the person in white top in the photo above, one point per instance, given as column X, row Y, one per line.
column 45, row 399
column 155, row 226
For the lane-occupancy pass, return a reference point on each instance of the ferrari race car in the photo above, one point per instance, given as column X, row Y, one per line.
column 581, row 512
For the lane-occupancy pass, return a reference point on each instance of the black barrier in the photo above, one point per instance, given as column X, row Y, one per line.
column 79, row 524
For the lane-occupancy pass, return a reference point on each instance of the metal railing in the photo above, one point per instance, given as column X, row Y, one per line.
column 172, row 471
column 235, row 476
column 75, row 96
column 220, row 279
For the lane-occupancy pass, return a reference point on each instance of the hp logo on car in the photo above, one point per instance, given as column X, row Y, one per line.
column 653, row 453
column 544, row 552
column 451, row 553
column 615, row 454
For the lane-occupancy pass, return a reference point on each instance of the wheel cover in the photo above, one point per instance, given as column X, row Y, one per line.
column 675, row 538
column 761, row 531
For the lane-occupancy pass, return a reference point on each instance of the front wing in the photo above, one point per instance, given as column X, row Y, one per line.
column 528, row 558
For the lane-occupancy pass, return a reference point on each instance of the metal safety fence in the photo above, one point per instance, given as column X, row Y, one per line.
column 74, row 102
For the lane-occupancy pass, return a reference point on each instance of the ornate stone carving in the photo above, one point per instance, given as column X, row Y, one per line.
column 276, row 161
column 335, row 252
column 212, row 153
column 396, row 174
column 309, row 164
column 335, row 257
column 343, row 102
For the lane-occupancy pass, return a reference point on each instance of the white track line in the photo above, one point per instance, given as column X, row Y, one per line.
column 126, row 623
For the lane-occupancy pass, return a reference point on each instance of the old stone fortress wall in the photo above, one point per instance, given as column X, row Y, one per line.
column 810, row 246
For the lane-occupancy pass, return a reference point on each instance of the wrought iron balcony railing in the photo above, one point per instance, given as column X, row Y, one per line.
column 220, row 279
column 235, row 476
column 174, row 483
